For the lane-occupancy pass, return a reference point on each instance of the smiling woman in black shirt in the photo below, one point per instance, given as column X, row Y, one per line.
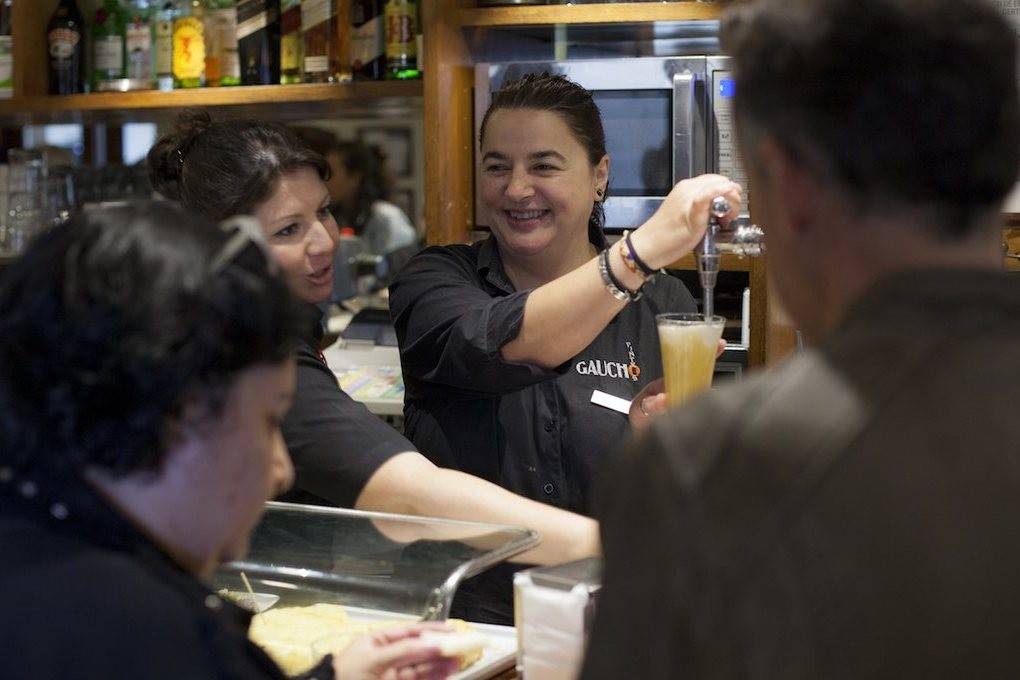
column 520, row 352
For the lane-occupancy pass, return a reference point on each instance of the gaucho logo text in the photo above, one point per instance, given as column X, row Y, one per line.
column 607, row 369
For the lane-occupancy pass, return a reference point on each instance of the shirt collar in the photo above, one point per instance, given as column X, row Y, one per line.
column 490, row 265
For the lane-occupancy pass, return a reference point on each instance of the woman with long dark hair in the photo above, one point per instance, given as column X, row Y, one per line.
column 343, row 455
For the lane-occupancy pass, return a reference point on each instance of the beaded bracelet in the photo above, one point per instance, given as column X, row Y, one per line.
column 613, row 285
column 630, row 257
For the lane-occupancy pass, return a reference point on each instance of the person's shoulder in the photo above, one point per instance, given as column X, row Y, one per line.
column 388, row 211
column 454, row 258
column 778, row 420
column 83, row 595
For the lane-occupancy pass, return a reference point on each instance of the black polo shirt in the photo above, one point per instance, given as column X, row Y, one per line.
column 335, row 442
column 85, row 595
column 533, row 431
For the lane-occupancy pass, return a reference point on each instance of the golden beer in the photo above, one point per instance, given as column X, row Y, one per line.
column 689, row 344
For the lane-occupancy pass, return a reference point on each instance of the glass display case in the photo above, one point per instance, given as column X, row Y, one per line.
column 331, row 569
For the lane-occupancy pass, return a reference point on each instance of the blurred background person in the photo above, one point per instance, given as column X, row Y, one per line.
column 360, row 189
column 854, row 512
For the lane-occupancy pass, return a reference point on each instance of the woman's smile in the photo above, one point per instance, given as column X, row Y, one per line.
column 526, row 220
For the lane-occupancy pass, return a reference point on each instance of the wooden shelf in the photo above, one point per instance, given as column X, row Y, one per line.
column 283, row 100
column 615, row 12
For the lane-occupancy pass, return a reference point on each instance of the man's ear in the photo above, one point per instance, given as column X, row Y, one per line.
column 193, row 417
column 797, row 190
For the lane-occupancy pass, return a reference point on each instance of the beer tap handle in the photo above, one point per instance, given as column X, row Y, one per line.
column 708, row 254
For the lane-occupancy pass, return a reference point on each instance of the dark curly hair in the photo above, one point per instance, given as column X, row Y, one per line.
column 572, row 103
column 114, row 321
column 898, row 101
column 224, row 168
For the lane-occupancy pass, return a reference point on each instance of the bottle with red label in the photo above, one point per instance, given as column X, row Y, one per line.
column 65, row 39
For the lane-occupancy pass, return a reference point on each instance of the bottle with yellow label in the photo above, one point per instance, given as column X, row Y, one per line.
column 189, row 45
column 401, row 40
column 290, row 42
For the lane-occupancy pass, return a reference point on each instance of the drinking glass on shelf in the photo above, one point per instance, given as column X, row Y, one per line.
column 59, row 197
column 25, row 199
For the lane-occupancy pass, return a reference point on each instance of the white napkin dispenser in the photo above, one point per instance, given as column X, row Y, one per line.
column 554, row 608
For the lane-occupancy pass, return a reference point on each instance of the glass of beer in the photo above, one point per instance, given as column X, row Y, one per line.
column 689, row 343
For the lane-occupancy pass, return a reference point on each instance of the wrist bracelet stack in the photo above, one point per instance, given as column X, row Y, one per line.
column 613, row 285
column 632, row 261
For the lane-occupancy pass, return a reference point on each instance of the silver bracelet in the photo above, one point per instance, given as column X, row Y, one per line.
column 609, row 282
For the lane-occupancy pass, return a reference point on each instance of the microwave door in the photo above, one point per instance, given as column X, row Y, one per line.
column 684, row 107
column 724, row 157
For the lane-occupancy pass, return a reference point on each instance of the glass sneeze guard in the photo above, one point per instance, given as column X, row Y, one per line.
column 307, row 554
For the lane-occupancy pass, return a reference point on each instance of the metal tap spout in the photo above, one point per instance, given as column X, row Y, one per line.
column 739, row 237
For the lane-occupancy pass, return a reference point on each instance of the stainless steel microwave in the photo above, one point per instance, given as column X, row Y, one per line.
column 666, row 119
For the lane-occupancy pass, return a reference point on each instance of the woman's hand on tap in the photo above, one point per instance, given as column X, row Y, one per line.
column 680, row 222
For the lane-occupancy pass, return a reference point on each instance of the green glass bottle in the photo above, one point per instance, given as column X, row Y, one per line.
column 139, row 69
column 6, row 60
column 108, row 57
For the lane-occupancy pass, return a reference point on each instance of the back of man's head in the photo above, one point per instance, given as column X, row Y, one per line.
column 898, row 103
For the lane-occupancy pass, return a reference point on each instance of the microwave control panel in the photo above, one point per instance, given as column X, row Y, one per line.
column 727, row 160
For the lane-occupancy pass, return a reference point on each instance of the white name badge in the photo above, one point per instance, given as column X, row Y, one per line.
column 609, row 401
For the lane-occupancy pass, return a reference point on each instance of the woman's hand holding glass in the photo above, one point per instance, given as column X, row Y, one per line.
column 680, row 222
column 652, row 402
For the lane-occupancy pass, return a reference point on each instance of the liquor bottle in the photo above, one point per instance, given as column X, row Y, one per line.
column 138, row 45
column 290, row 42
column 222, row 65
column 189, row 45
column 258, row 41
column 401, row 40
column 321, row 43
column 65, row 37
column 368, row 40
column 108, row 46
column 163, row 42
column 6, row 61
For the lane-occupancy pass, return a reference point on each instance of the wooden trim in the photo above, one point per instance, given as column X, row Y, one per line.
column 728, row 263
column 210, row 96
column 449, row 146
column 29, row 46
column 616, row 12
column 1011, row 237
column 10, row 138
